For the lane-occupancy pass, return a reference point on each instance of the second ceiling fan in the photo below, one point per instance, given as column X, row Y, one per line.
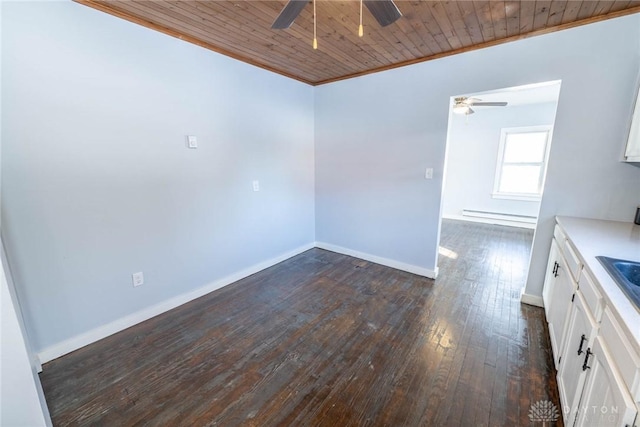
column 463, row 104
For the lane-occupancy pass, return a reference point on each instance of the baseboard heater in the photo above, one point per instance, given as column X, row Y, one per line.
column 500, row 216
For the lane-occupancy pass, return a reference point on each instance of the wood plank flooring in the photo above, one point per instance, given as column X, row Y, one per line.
column 324, row 339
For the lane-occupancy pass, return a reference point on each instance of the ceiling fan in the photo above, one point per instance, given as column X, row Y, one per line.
column 385, row 12
column 463, row 104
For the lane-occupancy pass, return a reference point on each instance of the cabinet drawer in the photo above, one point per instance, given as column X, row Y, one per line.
column 591, row 294
column 573, row 262
column 625, row 357
column 559, row 235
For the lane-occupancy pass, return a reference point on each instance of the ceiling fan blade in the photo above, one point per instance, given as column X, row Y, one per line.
column 488, row 104
column 288, row 14
column 385, row 11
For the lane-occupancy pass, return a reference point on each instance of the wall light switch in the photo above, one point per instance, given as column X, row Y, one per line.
column 137, row 278
column 256, row 185
column 429, row 173
column 192, row 141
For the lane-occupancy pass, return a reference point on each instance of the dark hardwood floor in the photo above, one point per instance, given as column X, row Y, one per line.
column 324, row 339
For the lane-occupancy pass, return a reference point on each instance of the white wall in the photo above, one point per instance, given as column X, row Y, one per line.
column 22, row 400
column 97, row 182
column 376, row 134
column 472, row 157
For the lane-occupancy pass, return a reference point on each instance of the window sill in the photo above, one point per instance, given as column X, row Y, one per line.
column 521, row 197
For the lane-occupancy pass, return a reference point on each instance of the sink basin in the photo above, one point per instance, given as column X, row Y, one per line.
column 626, row 274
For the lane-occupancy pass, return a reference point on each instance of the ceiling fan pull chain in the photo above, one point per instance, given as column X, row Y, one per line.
column 360, row 29
column 315, row 40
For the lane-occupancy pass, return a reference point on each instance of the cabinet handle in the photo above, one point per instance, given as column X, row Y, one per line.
column 586, row 360
column 582, row 340
column 555, row 267
column 555, row 272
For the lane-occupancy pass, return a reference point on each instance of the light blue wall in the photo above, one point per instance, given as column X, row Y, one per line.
column 373, row 143
column 97, row 182
column 376, row 134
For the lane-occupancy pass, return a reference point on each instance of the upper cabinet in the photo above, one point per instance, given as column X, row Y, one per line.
column 632, row 152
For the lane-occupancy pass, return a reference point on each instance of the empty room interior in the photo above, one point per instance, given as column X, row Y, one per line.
column 320, row 213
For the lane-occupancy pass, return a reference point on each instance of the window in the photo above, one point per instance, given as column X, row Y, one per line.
column 522, row 162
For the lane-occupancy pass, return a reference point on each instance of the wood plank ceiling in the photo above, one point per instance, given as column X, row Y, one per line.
column 428, row 29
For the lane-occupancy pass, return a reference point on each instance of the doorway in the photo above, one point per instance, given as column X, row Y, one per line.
column 497, row 150
column 497, row 155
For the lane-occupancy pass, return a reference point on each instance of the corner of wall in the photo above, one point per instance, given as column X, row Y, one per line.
column 409, row 268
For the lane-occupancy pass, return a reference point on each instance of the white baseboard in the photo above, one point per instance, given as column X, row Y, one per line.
column 35, row 362
column 516, row 224
column 531, row 300
column 118, row 325
column 421, row 271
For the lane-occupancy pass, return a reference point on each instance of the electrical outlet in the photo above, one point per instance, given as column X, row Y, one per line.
column 256, row 185
column 429, row 173
column 137, row 278
column 192, row 141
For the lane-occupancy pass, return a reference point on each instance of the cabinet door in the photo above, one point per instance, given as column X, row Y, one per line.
column 580, row 335
column 549, row 277
column 605, row 400
column 559, row 307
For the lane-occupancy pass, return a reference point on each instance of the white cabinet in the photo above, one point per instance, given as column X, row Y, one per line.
column 627, row 358
column 632, row 152
column 550, row 275
column 605, row 400
column 560, row 288
column 592, row 296
column 572, row 372
column 596, row 356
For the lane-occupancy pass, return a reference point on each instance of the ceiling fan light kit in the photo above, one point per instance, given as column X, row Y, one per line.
column 462, row 109
column 384, row 11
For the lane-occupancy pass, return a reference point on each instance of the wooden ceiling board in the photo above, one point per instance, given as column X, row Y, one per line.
column 471, row 22
column 498, row 19
column 428, row 29
column 483, row 12
column 417, row 23
column 456, row 19
column 587, row 9
column 571, row 11
column 621, row 5
column 556, row 10
column 541, row 14
column 603, row 7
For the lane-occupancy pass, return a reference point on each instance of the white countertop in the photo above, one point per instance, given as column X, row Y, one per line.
column 594, row 237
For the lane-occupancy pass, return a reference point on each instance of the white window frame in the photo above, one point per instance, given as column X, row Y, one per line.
column 543, row 171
